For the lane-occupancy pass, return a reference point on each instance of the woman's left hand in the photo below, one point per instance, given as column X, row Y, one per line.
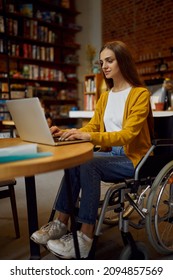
column 73, row 134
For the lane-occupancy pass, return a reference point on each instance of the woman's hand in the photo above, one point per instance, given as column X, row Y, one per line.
column 56, row 131
column 70, row 134
column 74, row 134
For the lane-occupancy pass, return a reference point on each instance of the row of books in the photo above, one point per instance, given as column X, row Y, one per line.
column 31, row 30
column 38, row 32
column 90, row 85
column 35, row 72
column 89, row 102
column 31, row 51
column 28, row 11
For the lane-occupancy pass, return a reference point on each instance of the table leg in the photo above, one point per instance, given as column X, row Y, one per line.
column 72, row 214
column 32, row 215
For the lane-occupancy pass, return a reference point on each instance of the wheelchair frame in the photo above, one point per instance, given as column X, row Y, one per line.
column 159, row 184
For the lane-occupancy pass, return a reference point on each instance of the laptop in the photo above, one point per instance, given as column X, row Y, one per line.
column 31, row 124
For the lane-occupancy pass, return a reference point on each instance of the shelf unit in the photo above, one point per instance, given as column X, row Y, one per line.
column 39, row 54
column 155, row 68
column 93, row 84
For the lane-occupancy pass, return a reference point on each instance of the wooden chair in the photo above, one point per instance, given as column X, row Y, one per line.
column 8, row 191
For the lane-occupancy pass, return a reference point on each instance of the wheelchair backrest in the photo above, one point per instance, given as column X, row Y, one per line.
column 150, row 165
column 163, row 129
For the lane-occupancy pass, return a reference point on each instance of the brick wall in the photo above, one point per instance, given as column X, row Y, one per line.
column 145, row 25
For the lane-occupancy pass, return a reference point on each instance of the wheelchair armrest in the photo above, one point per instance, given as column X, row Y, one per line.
column 162, row 142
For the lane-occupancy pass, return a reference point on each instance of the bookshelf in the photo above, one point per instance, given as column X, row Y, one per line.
column 154, row 68
column 39, row 54
column 92, row 90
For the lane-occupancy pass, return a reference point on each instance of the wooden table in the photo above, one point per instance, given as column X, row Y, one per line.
column 64, row 157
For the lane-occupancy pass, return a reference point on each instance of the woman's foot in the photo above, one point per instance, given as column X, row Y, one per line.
column 64, row 247
column 52, row 230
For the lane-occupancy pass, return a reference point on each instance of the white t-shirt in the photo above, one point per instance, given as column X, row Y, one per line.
column 114, row 111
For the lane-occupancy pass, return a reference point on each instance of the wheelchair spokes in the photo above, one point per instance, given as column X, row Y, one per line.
column 159, row 221
column 152, row 200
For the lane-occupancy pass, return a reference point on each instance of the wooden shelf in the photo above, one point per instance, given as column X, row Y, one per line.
column 147, row 68
column 92, row 90
column 39, row 51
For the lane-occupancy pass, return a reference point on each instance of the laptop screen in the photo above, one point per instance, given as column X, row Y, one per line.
column 30, row 121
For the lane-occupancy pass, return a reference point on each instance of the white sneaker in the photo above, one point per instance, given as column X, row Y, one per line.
column 64, row 247
column 52, row 230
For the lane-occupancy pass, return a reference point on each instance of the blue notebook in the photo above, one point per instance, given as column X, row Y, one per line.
column 4, row 159
column 21, row 152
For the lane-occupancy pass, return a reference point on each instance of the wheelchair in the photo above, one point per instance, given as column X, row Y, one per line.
column 149, row 194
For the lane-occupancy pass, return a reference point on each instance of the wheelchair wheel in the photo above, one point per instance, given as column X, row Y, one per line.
column 159, row 220
column 139, row 254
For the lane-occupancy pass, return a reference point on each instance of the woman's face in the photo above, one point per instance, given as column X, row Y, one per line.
column 109, row 64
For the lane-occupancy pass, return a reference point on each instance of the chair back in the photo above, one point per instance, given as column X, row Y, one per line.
column 163, row 129
column 150, row 166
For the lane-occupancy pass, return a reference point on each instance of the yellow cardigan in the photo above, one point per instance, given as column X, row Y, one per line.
column 137, row 125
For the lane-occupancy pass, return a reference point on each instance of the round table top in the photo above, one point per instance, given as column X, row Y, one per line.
column 63, row 157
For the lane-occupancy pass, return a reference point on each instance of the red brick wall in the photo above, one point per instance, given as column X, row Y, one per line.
column 145, row 25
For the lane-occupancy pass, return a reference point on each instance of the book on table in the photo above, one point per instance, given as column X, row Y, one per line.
column 21, row 152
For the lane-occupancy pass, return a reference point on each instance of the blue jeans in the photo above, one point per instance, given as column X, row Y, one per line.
column 105, row 166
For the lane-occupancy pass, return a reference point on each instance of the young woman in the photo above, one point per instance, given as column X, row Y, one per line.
column 121, row 127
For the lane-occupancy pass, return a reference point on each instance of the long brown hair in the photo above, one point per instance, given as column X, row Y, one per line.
column 125, row 62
